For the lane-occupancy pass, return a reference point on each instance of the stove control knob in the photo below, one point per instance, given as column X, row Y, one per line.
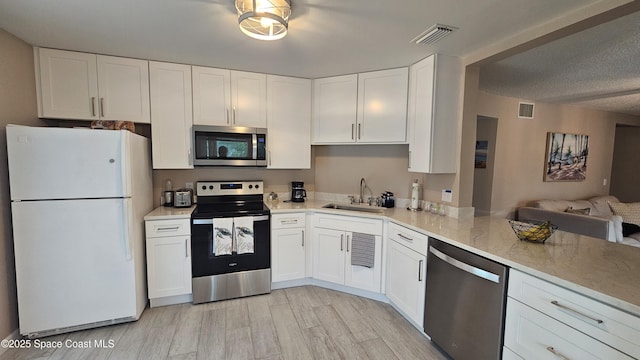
column 257, row 186
column 250, row 186
column 204, row 187
column 210, row 187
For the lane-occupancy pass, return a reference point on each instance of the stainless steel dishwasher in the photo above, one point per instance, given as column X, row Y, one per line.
column 464, row 302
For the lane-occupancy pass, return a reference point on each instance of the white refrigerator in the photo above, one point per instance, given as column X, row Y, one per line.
column 78, row 197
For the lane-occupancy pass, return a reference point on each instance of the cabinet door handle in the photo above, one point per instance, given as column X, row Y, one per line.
column 342, row 242
column 556, row 353
column 93, row 106
column 352, row 127
column 234, row 116
column 186, row 248
column 583, row 315
column 347, row 243
column 302, row 238
column 289, row 222
column 359, row 131
column 420, row 270
column 228, row 116
column 173, row 228
column 405, row 238
column 102, row 107
column 269, row 157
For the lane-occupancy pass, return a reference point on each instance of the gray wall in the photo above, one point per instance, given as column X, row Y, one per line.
column 17, row 106
column 625, row 177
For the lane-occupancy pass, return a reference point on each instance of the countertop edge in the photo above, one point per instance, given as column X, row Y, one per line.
column 586, row 291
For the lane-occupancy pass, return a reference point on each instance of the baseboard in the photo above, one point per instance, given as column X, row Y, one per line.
column 13, row 336
column 328, row 285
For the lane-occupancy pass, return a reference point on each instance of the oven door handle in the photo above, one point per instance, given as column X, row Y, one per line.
column 210, row 221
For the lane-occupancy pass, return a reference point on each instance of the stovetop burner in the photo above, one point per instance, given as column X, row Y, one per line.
column 227, row 199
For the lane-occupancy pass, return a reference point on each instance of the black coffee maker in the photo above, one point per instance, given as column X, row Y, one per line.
column 298, row 193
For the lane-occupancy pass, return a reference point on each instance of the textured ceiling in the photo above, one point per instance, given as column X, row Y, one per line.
column 338, row 37
column 325, row 38
column 598, row 68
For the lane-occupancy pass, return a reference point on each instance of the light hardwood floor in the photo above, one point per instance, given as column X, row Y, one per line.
column 298, row 323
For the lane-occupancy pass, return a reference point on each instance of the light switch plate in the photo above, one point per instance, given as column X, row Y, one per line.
column 447, row 195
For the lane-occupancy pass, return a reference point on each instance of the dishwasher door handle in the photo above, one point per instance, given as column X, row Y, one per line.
column 465, row 267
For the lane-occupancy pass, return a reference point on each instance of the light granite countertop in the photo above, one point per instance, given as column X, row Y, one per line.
column 596, row 268
column 169, row 213
column 599, row 269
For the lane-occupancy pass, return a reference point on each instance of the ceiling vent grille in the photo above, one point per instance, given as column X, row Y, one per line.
column 433, row 34
column 525, row 110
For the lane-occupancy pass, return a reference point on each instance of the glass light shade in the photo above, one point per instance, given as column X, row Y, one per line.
column 264, row 19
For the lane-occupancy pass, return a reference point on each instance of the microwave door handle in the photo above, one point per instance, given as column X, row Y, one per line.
column 254, row 145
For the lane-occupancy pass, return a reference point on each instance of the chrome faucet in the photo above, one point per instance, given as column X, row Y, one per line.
column 363, row 184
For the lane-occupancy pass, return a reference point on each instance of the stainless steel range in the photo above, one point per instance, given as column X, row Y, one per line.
column 230, row 241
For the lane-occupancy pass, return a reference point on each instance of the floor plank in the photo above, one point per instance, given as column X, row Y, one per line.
column 305, row 322
column 292, row 344
column 238, row 344
column 185, row 340
column 211, row 343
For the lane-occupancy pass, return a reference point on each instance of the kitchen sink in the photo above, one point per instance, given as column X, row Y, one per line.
column 362, row 208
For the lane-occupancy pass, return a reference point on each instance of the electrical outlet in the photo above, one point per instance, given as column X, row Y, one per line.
column 447, row 195
column 188, row 185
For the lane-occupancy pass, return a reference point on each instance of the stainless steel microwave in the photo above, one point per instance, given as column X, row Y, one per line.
column 229, row 146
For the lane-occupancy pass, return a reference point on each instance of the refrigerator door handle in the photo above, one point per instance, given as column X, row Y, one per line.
column 126, row 211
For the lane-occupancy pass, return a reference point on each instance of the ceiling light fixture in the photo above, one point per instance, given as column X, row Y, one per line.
column 264, row 19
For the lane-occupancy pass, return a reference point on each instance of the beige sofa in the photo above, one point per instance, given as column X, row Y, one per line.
column 598, row 220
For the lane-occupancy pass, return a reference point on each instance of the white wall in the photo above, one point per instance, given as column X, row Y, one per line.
column 520, row 150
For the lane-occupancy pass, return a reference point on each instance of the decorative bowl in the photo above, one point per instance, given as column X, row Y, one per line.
column 533, row 231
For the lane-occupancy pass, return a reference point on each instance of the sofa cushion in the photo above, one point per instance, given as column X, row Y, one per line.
column 562, row 205
column 600, row 205
column 630, row 212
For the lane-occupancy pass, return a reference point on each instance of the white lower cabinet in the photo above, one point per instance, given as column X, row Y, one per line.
column 406, row 271
column 545, row 320
column 168, row 259
column 333, row 249
column 288, row 247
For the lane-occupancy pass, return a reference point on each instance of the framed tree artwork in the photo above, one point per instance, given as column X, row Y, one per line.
column 566, row 157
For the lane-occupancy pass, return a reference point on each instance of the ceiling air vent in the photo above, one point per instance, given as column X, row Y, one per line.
column 525, row 110
column 433, row 34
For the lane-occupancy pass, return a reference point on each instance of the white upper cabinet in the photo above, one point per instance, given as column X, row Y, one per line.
column 382, row 106
column 229, row 98
column 288, row 122
column 435, row 109
column 83, row 86
column 368, row 108
column 211, row 96
column 335, row 102
column 249, row 99
column 172, row 115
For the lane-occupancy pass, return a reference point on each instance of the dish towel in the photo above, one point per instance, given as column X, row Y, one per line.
column 222, row 236
column 244, row 234
column 363, row 249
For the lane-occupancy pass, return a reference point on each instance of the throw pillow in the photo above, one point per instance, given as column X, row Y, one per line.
column 585, row 211
column 628, row 229
column 630, row 212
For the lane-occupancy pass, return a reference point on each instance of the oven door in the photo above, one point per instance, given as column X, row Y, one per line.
column 205, row 263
